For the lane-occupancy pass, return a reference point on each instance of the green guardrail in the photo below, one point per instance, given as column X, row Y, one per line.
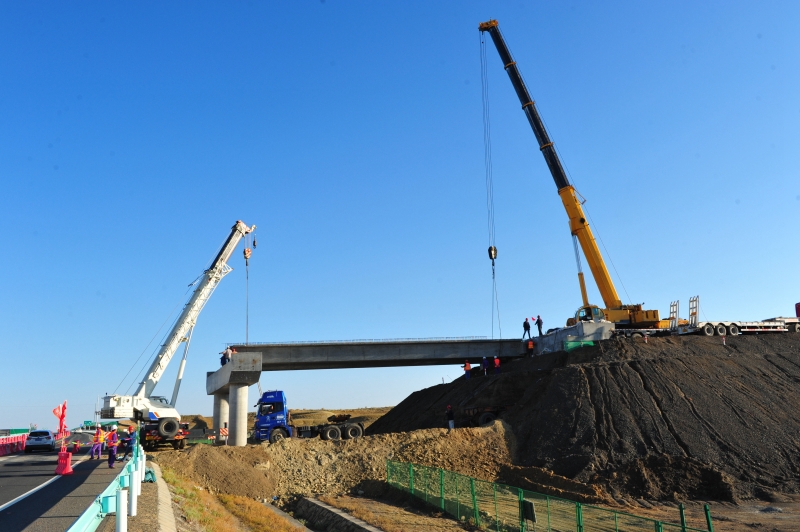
column 109, row 501
column 502, row 508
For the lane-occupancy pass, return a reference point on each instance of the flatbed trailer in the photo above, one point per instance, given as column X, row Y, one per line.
column 728, row 328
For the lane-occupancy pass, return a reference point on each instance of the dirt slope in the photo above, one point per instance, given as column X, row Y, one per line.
column 677, row 417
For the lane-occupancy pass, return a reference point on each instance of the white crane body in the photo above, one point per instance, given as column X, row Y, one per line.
column 142, row 405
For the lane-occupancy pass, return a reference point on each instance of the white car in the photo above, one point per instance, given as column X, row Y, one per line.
column 40, row 439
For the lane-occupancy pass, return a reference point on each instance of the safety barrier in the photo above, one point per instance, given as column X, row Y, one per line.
column 120, row 497
column 493, row 506
column 12, row 444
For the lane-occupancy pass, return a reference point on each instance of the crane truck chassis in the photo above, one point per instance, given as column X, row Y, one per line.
column 273, row 423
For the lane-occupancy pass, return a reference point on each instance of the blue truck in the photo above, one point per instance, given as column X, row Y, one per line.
column 273, row 423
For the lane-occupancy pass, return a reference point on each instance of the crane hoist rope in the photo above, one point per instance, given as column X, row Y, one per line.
column 487, row 157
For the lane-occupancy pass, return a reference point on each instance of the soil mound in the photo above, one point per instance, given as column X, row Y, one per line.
column 678, row 417
column 296, row 467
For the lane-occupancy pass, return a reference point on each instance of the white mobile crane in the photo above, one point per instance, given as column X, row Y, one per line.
column 158, row 419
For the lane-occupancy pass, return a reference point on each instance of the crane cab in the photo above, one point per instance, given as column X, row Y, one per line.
column 587, row 313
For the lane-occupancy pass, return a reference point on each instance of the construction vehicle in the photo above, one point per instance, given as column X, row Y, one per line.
column 729, row 328
column 480, row 416
column 273, row 423
column 157, row 417
column 628, row 319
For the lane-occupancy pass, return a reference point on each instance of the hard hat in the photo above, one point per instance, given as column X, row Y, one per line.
column 113, row 427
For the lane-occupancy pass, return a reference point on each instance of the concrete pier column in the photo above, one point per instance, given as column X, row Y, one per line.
column 220, row 414
column 238, row 424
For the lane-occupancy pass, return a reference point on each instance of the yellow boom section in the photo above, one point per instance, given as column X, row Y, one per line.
column 580, row 228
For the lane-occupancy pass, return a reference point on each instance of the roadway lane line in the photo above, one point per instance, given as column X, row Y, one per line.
column 31, row 492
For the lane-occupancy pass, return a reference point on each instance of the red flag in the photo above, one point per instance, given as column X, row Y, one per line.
column 61, row 413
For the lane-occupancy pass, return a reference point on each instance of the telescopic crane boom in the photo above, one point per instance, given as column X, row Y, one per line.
column 142, row 405
column 615, row 311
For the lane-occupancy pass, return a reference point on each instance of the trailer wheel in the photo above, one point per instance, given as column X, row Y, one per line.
column 733, row 329
column 331, row 432
column 721, row 331
column 182, row 444
column 708, row 329
column 794, row 327
column 486, row 418
column 636, row 335
column 176, row 444
column 352, row 432
column 277, row 435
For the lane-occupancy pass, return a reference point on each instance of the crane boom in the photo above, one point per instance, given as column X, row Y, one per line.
column 188, row 317
column 577, row 220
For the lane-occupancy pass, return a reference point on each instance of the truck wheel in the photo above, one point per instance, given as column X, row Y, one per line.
column 176, row 444
column 721, row 331
column 168, row 427
column 352, row 432
column 277, row 435
column 708, row 329
column 331, row 433
column 733, row 329
column 182, row 444
column 636, row 335
column 794, row 327
column 486, row 418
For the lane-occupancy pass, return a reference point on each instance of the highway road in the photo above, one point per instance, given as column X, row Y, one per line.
column 58, row 501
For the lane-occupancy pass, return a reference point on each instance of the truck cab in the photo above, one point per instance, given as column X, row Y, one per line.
column 272, row 417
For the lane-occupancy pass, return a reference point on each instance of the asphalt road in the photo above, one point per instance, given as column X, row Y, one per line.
column 56, row 506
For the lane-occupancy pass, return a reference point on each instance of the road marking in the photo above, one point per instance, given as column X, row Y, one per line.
column 31, row 492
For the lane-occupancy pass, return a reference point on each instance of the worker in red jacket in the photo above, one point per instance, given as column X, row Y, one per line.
column 496, row 365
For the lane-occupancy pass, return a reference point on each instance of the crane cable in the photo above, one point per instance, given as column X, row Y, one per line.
column 487, row 156
column 248, row 252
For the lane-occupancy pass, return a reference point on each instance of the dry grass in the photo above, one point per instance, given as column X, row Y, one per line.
column 200, row 507
column 255, row 515
column 360, row 511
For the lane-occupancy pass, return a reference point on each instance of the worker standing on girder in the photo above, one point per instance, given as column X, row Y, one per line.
column 467, row 369
column 485, row 366
column 226, row 356
column 539, row 324
column 526, row 329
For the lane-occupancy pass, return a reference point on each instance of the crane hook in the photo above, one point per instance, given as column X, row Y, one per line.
column 492, row 252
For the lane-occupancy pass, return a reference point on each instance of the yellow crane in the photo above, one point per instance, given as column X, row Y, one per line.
column 624, row 316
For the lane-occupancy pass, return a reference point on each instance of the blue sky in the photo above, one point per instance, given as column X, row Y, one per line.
column 132, row 136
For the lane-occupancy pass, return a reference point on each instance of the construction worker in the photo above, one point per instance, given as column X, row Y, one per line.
column 526, row 329
column 496, row 365
column 485, row 366
column 226, row 356
column 112, row 440
column 467, row 368
column 448, row 414
column 128, row 441
column 539, row 324
column 97, row 443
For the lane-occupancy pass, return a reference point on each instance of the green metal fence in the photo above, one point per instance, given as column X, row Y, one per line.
column 493, row 506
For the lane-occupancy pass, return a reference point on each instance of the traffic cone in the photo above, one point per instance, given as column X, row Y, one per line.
column 64, row 462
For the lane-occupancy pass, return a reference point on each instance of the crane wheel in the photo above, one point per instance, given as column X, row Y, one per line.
column 331, row 433
column 721, row 330
column 176, row 444
column 733, row 329
column 182, row 444
column 708, row 329
column 168, row 427
column 636, row 335
column 486, row 419
column 352, row 432
column 277, row 435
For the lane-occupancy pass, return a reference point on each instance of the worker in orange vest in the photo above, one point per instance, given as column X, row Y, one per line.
column 466, row 367
column 112, row 440
column 97, row 443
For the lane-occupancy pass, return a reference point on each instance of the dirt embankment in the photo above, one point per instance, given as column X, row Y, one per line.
column 367, row 416
column 678, row 417
column 295, row 467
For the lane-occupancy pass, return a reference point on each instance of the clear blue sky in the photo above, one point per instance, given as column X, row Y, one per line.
column 132, row 136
